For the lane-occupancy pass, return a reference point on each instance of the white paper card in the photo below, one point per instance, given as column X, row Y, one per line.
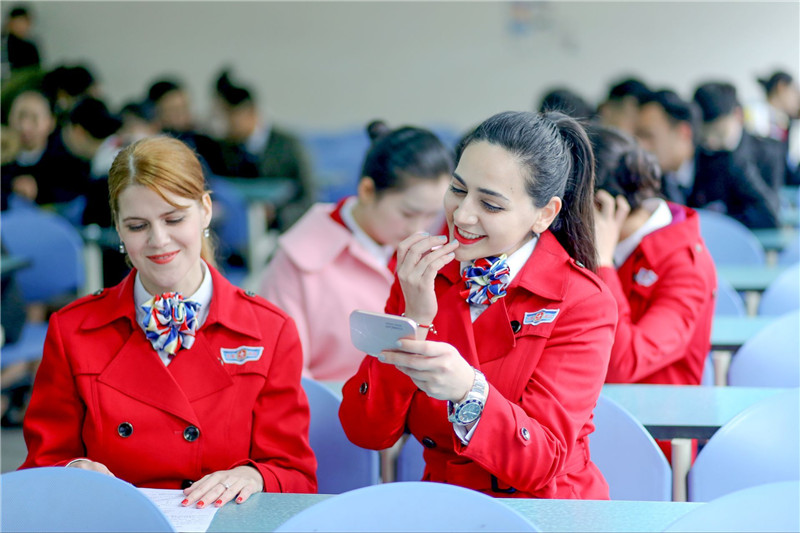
column 183, row 519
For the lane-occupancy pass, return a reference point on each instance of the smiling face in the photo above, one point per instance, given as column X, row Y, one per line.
column 163, row 241
column 487, row 207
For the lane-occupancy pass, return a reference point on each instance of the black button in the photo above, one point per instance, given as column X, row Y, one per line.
column 250, row 293
column 186, row 483
column 515, row 326
column 428, row 442
column 98, row 292
column 125, row 429
column 191, row 433
column 363, row 388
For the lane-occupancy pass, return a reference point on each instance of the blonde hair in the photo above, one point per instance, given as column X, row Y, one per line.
column 164, row 165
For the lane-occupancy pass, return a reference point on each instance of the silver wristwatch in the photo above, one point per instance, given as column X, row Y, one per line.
column 470, row 409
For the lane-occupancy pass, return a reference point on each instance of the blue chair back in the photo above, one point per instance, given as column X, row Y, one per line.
column 729, row 241
column 630, row 460
column 767, row 507
column 52, row 245
column 791, row 253
column 771, row 358
column 409, row 506
column 337, row 159
column 760, row 445
column 71, row 499
column 783, row 294
column 410, row 463
column 230, row 216
column 341, row 465
column 728, row 301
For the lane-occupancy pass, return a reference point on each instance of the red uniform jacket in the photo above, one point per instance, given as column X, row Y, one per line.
column 100, row 379
column 544, row 379
column 665, row 293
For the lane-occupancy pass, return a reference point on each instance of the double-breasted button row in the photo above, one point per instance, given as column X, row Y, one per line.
column 191, row 433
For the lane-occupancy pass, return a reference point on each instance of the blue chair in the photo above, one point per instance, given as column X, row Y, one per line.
column 630, row 460
column 770, row 358
column 56, row 273
column 783, row 294
column 410, row 463
column 791, row 253
column 70, row 499
column 409, row 506
column 760, row 445
column 728, row 302
column 230, row 216
column 337, row 159
column 768, row 507
column 341, row 465
column 729, row 241
column 54, row 248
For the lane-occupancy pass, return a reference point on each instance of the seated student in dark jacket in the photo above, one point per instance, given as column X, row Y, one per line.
column 666, row 126
column 737, row 173
column 254, row 147
column 174, row 114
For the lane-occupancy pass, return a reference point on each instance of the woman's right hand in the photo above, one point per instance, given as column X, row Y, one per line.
column 419, row 258
column 86, row 464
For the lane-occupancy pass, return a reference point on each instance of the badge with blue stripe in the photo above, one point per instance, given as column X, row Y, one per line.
column 542, row 316
column 645, row 277
column 241, row 355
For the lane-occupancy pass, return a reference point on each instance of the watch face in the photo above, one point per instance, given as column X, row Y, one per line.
column 469, row 412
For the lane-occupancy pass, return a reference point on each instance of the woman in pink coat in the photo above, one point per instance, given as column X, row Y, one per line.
column 338, row 258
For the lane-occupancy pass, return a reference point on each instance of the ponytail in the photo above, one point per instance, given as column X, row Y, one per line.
column 574, row 227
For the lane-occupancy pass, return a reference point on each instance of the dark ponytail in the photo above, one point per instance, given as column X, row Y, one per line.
column 558, row 157
column 407, row 152
column 574, row 227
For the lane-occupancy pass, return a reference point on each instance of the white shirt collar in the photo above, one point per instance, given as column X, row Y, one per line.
column 202, row 296
column 660, row 217
column 515, row 263
column 380, row 252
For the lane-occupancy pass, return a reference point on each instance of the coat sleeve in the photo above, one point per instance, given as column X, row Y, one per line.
column 282, row 284
column 280, row 448
column 526, row 444
column 55, row 415
column 376, row 400
column 662, row 335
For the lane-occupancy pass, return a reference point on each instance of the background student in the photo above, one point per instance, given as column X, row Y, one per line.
column 514, row 330
column 339, row 258
column 174, row 378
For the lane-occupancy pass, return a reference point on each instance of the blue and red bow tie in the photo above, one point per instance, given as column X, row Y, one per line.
column 171, row 322
column 486, row 280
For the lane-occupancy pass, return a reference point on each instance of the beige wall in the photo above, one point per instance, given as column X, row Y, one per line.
column 320, row 65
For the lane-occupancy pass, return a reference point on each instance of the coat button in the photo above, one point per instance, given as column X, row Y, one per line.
column 186, row 483
column 525, row 433
column 250, row 293
column 363, row 388
column 191, row 433
column 428, row 442
column 98, row 292
column 698, row 247
column 125, row 429
column 515, row 326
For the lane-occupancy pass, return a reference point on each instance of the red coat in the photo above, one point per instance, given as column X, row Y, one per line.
column 665, row 295
column 193, row 417
column 544, row 381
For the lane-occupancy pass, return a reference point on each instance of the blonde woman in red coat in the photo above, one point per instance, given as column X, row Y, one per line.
column 515, row 329
column 200, row 393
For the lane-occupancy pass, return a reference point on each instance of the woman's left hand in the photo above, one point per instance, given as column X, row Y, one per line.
column 220, row 487
column 435, row 367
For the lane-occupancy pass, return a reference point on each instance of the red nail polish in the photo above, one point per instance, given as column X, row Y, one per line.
column 239, row 499
column 200, row 505
column 184, row 502
column 218, row 503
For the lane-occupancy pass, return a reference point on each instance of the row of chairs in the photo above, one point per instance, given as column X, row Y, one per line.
column 781, row 296
column 732, row 243
column 622, row 448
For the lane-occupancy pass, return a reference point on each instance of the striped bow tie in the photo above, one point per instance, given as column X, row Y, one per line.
column 486, row 280
column 171, row 322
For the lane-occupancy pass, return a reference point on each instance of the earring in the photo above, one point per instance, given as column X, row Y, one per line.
column 206, row 233
column 122, row 248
